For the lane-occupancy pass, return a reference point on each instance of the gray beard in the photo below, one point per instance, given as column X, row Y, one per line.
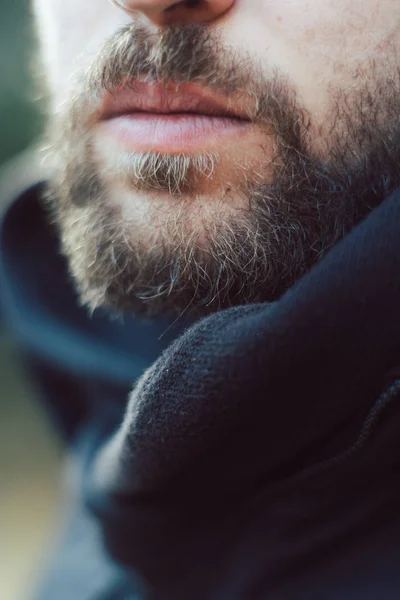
column 252, row 255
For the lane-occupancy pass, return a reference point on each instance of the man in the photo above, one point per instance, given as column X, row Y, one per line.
column 226, row 168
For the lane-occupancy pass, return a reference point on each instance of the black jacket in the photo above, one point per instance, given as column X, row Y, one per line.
column 259, row 456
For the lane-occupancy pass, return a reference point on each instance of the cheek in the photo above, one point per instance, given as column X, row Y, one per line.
column 319, row 45
column 71, row 34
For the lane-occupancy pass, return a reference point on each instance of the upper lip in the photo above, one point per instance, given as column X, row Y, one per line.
column 169, row 99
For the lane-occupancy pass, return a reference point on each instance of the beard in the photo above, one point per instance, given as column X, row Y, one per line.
column 197, row 254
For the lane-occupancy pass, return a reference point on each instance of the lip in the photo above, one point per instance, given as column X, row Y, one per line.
column 170, row 98
column 170, row 118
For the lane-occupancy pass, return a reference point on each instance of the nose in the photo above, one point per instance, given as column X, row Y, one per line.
column 169, row 12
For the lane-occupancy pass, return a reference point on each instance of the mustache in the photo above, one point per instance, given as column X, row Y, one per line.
column 180, row 54
column 192, row 53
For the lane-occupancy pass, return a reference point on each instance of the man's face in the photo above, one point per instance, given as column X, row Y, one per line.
column 208, row 153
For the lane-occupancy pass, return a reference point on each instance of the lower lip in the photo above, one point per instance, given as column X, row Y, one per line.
column 145, row 132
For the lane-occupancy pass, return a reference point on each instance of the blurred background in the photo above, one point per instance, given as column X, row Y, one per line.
column 30, row 453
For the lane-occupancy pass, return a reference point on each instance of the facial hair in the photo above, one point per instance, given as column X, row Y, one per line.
column 289, row 220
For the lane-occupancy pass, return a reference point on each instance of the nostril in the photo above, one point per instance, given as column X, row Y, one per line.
column 183, row 4
column 180, row 4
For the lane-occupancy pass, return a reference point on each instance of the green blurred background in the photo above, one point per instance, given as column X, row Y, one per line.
column 20, row 120
column 30, row 454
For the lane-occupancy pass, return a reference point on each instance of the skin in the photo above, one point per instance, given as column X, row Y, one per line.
column 317, row 44
column 328, row 52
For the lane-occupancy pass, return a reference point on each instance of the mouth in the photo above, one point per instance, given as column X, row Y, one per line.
column 171, row 118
